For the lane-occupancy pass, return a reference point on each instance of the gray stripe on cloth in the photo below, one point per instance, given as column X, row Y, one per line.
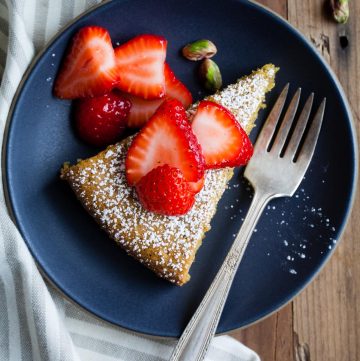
column 84, row 316
column 4, row 26
column 16, row 269
column 3, row 2
column 17, row 51
column 2, row 57
column 38, row 303
column 7, row 89
column 64, row 345
column 67, row 11
column 4, row 324
column 111, row 349
column 40, row 24
column 15, row 45
column 90, row 3
column 72, row 312
column 17, row 5
column 80, row 315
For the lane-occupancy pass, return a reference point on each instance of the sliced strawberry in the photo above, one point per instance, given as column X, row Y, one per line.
column 140, row 66
column 166, row 138
column 164, row 190
column 88, row 69
column 196, row 187
column 142, row 109
column 223, row 142
column 176, row 89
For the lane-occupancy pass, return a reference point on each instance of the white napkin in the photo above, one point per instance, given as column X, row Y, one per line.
column 36, row 322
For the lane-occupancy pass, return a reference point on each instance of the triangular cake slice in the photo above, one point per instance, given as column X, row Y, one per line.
column 167, row 245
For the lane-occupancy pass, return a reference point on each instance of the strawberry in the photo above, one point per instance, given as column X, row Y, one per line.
column 166, row 138
column 88, row 69
column 176, row 89
column 140, row 66
column 196, row 187
column 101, row 120
column 142, row 110
column 223, row 142
column 164, row 190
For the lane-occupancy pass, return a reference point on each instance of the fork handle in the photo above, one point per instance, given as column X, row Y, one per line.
column 195, row 340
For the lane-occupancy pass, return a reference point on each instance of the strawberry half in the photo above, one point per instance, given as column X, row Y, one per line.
column 223, row 142
column 166, row 138
column 142, row 109
column 88, row 69
column 140, row 66
column 176, row 89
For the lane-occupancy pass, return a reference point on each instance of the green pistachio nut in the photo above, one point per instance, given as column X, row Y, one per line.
column 200, row 49
column 340, row 9
column 210, row 75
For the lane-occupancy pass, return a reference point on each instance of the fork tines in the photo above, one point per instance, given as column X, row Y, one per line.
column 291, row 139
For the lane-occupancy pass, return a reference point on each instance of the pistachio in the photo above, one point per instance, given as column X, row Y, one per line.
column 199, row 50
column 210, row 75
column 340, row 10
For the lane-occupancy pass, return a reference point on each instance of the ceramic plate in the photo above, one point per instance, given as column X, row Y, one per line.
column 294, row 237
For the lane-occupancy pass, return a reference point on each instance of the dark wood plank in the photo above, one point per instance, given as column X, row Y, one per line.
column 279, row 6
column 271, row 338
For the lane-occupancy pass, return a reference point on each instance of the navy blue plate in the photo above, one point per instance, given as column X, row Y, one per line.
column 294, row 237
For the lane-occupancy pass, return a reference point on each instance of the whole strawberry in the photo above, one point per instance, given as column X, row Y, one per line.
column 164, row 190
column 100, row 121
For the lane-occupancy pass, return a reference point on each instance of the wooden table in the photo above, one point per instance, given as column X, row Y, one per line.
column 323, row 322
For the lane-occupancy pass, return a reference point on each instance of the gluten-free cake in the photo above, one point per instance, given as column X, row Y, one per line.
column 165, row 244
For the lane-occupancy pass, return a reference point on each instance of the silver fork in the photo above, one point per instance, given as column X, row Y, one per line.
column 275, row 170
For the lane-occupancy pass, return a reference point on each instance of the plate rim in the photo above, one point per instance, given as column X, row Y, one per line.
column 258, row 7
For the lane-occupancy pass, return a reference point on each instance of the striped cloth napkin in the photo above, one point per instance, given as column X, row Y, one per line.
column 36, row 322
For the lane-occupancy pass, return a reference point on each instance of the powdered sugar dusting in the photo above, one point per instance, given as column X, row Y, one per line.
column 245, row 97
column 165, row 244
column 293, row 232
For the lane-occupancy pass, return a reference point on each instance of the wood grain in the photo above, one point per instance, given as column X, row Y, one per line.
column 323, row 323
column 327, row 314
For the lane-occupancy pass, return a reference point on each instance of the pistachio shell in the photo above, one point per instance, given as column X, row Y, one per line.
column 340, row 9
column 199, row 50
column 210, row 75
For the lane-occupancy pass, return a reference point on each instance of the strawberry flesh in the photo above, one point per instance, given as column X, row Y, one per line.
column 175, row 88
column 223, row 141
column 140, row 66
column 88, row 69
column 167, row 138
column 142, row 109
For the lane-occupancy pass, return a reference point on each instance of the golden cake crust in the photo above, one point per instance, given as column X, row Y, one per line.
column 165, row 244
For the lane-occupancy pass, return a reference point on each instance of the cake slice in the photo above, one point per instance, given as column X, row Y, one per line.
column 165, row 244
